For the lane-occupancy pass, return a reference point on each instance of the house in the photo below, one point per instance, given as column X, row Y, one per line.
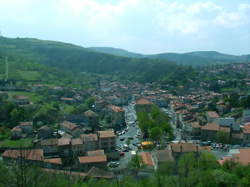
column 96, row 152
column 64, row 146
column 116, row 116
column 209, row 131
column 147, row 161
column 77, row 146
column 228, row 122
column 246, row 133
column 71, row 128
column 92, row 119
column 90, row 141
column 211, row 116
column 32, row 156
column 21, row 100
column 27, row 127
column 240, row 156
column 53, row 163
column 143, row 104
column 50, row 146
column 45, row 132
column 107, row 140
column 196, row 129
column 99, row 105
column 67, row 100
column 87, row 162
column 178, row 149
column 16, row 132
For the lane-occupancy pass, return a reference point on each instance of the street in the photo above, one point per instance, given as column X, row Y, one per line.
column 172, row 115
column 129, row 136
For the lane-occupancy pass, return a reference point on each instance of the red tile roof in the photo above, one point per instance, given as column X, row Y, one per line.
column 184, row 147
column 116, row 108
column 63, row 141
column 32, row 154
column 54, row 161
column 212, row 114
column 243, row 157
column 143, row 101
column 69, row 125
column 95, row 153
column 211, row 127
column 106, row 134
column 246, row 128
column 92, row 159
column 147, row 158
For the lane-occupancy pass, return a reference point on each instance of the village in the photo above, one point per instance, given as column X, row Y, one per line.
column 101, row 140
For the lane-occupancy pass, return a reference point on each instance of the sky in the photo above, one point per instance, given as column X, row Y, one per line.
column 142, row 26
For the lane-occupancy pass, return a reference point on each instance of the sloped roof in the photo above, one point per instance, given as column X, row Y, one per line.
column 92, row 159
column 54, row 161
column 184, row 147
column 106, row 134
column 32, row 154
column 143, row 101
column 211, row 127
column 147, row 158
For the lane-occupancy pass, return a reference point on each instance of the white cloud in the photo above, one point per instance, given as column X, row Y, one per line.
column 152, row 25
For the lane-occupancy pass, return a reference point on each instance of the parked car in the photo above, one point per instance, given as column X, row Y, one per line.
column 113, row 164
column 122, row 153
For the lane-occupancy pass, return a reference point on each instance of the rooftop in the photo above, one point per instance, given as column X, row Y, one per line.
column 106, row 134
column 68, row 125
column 54, row 161
column 212, row 114
column 95, row 153
column 147, row 158
column 116, row 108
column 211, row 127
column 89, row 137
column 246, row 128
column 47, row 142
column 32, row 154
column 76, row 141
column 143, row 101
column 63, row 141
column 184, row 147
column 92, row 159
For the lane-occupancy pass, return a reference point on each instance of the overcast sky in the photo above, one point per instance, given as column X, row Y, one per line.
column 144, row 26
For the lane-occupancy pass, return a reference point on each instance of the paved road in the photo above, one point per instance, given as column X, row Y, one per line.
column 132, row 129
column 177, row 132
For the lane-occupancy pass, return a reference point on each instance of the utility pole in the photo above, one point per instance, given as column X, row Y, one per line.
column 6, row 69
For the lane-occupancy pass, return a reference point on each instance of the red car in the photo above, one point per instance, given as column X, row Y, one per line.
column 122, row 153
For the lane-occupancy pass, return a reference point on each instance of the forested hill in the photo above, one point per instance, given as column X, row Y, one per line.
column 78, row 59
column 197, row 58
column 117, row 52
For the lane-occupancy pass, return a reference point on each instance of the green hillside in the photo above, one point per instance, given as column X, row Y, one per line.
column 78, row 59
column 197, row 58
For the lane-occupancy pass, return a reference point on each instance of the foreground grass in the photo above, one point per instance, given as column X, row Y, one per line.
column 24, row 142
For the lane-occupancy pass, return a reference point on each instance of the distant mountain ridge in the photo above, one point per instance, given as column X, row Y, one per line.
column 196, row 58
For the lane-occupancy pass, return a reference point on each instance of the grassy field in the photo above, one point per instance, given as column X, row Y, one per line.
column 24, row 142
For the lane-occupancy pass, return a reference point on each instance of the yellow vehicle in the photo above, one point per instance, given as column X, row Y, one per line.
column 147, row 145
